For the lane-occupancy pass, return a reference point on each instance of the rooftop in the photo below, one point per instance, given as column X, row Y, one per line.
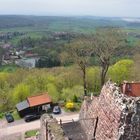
column 131, row 89
column 22, row 105
column 39, row 100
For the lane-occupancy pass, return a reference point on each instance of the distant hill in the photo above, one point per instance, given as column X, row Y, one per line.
column 63, row 23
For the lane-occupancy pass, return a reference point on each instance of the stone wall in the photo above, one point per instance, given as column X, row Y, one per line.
column 50, row 129
column 111, row 116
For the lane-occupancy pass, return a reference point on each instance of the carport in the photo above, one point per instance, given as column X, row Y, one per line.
column 23, row 108
column 34, row 104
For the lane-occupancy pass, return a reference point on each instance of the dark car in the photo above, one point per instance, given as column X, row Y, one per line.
column 32, row 117
column 56, row 110
column 9, row 117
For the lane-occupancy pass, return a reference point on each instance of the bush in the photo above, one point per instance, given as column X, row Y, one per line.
column 21, row 92
column 75, row 99
column 70, row 105
column 1, row 115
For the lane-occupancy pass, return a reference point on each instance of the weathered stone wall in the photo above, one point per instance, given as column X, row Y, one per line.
column 50, row 129
column 111, row 116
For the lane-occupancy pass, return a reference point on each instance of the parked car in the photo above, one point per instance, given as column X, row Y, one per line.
column 9, row 117
column 42, row 112
column 56, row 110
column 32, row 117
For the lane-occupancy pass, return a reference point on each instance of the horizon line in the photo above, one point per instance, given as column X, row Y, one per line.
column 45, row 15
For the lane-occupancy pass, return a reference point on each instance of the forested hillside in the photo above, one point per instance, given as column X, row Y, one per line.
column 62, row 83
column 76, row 55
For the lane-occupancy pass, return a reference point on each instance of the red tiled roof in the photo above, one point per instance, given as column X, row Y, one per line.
column 131, row 89
column 39, row 100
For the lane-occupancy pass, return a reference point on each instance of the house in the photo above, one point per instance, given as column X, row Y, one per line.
column 131, row 88
column 34, row 104
column 27, row 62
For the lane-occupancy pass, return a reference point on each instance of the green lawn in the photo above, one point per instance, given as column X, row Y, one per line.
column 16, row 115
column 8, row 68
column 30, row 133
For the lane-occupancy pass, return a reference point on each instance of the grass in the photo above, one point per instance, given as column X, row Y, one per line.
column 30, row 133
column 16, row 115
column 132, row 30
column 8, row 68
column 2, row 115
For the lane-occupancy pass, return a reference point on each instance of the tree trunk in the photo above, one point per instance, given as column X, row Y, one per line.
column 84, row 81
column 103, row 73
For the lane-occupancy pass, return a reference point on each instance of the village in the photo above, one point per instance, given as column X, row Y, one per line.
column 25, row 59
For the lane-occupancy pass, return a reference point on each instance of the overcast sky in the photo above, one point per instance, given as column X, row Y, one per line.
column 117, row 8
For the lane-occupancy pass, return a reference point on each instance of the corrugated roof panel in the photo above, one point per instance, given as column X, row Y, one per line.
column 22, row 105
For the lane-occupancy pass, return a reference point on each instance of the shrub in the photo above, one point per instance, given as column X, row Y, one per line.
column 75, row 99
column 70, row 105
column 1, row 115
column 21, row 92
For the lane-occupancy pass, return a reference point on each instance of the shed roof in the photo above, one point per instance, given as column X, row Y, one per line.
column 22, row 105
column 39, row 100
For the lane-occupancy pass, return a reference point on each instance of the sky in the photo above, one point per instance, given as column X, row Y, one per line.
column 107, row 8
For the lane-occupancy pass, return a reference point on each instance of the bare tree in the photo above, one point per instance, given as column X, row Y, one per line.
column 80, row 51
column 105, row 43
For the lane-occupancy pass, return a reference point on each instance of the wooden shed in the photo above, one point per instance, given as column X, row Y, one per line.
column 34, row 104
column 39, row 102
column 23, row 108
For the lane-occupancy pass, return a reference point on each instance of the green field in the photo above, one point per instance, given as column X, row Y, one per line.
column 38, row 26
column 73, row 24
column 8, row 68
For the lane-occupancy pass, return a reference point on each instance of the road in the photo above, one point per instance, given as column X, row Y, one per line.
column 21, row 126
